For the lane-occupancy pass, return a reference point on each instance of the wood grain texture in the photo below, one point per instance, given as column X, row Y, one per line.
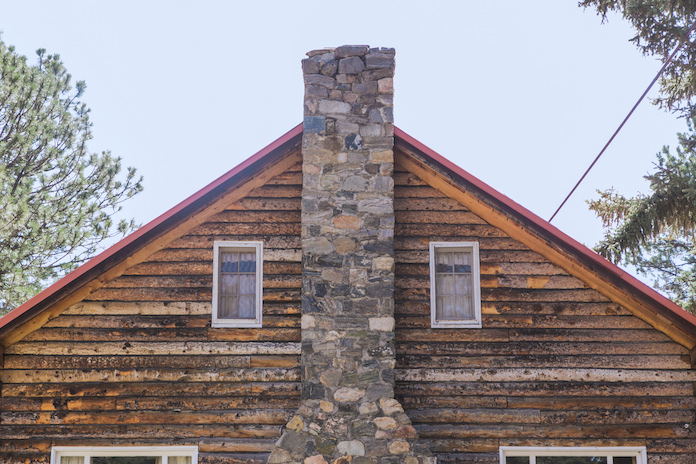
column 137, row 361
column 556, row 363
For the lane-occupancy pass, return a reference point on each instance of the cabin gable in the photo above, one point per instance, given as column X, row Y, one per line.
column 136, row 363
column 539, row 346
column 555, row 362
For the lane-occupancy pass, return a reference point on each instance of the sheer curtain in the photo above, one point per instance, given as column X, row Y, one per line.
column 237, row 293
column 72, row 460
column 453, row 281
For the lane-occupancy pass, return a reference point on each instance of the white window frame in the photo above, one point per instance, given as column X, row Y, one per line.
column 532, row 452
column 88, row 452
column 475, row 323
column 218, row 247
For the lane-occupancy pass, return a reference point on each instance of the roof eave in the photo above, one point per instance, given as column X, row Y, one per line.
column 145, row 234
column 584, row 255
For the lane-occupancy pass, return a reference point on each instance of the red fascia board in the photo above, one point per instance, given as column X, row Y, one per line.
column 146, row 231
column 550, row 230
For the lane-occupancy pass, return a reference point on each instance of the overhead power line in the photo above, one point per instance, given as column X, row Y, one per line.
column 657, row 76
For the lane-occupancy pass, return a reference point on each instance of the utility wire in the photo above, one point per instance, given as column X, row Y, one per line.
column 669, row 60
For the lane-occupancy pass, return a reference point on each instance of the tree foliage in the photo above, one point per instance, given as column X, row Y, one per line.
column 661, row 25
column 655, row 232
column 56, row 198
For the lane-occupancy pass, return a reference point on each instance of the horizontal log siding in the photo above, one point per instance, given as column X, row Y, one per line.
column 138, row 363
column 555, row 364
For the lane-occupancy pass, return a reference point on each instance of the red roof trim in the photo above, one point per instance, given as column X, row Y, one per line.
column 23, row 312
column 550, row 229
column 136, row 236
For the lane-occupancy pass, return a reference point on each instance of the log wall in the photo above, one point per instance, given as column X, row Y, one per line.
column 138, row 364
column 555, row 364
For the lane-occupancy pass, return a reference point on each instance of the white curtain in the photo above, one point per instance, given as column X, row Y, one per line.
column 453, row 285
column 72, row 460
column 179, row 460
column 237, row 293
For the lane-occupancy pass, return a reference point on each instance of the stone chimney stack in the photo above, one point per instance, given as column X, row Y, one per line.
column 348, row 412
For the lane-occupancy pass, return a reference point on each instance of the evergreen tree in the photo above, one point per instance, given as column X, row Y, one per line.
column 56, row 198
column 655, row 232
column 661, row 25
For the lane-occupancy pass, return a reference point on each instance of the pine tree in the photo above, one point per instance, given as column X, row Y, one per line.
column 56, row 198
column 655, row 232
column 660, row 26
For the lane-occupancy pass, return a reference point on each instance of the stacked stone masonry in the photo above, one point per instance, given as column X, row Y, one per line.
column 348, row 411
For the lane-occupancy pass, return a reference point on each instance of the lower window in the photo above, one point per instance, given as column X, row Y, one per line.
column 124, row 455
column 579, row 455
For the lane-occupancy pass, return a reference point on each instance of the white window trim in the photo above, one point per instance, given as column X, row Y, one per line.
column 88, row 452
column 533, row 451
column 476, row 286
column 257, row 320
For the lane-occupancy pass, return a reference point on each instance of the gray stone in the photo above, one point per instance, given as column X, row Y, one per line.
column 348, row 413
column 320, row 51
column 351, row 65
column 371, row 130
column 379, row 60
column 333, row 107
column 310, row 66
column 351, row 50
column 365, row 88
column 316, row 91
column 351, row 448
column 319, row 79
column 313, row 124
column 355, row 184
column 330, row 68
column 292, row 442
column 345, row 127
column 384, row 184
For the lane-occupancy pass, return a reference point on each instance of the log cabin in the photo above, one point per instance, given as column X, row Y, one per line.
column 347, row 295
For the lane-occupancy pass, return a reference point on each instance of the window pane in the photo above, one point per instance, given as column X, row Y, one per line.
column 571, row 460
column 229, row 284
column 517, row 460
column 179, row 460
column 229, row 262
column 72, row 460
column 462, row 284
column 237, row 285
column 246, row 307
column 247, row 284
column 624, row 460
column 454, row 285
column 228, row 307
column 124, row 460
column 247, row 262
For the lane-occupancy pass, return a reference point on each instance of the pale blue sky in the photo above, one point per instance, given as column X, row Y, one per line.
column 521, row 94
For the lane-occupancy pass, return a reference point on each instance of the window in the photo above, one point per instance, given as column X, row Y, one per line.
column 578, row 455
column 124, row 455
column 455, row 285
column 237, row 284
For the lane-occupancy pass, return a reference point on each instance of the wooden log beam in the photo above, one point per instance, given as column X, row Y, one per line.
column 411, row 162
column 158, row 243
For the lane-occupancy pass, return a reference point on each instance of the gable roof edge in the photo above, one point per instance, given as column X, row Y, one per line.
column 545, row 230
column 118, row 252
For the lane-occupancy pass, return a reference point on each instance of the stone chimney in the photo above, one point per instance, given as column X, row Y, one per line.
column 348, row 412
